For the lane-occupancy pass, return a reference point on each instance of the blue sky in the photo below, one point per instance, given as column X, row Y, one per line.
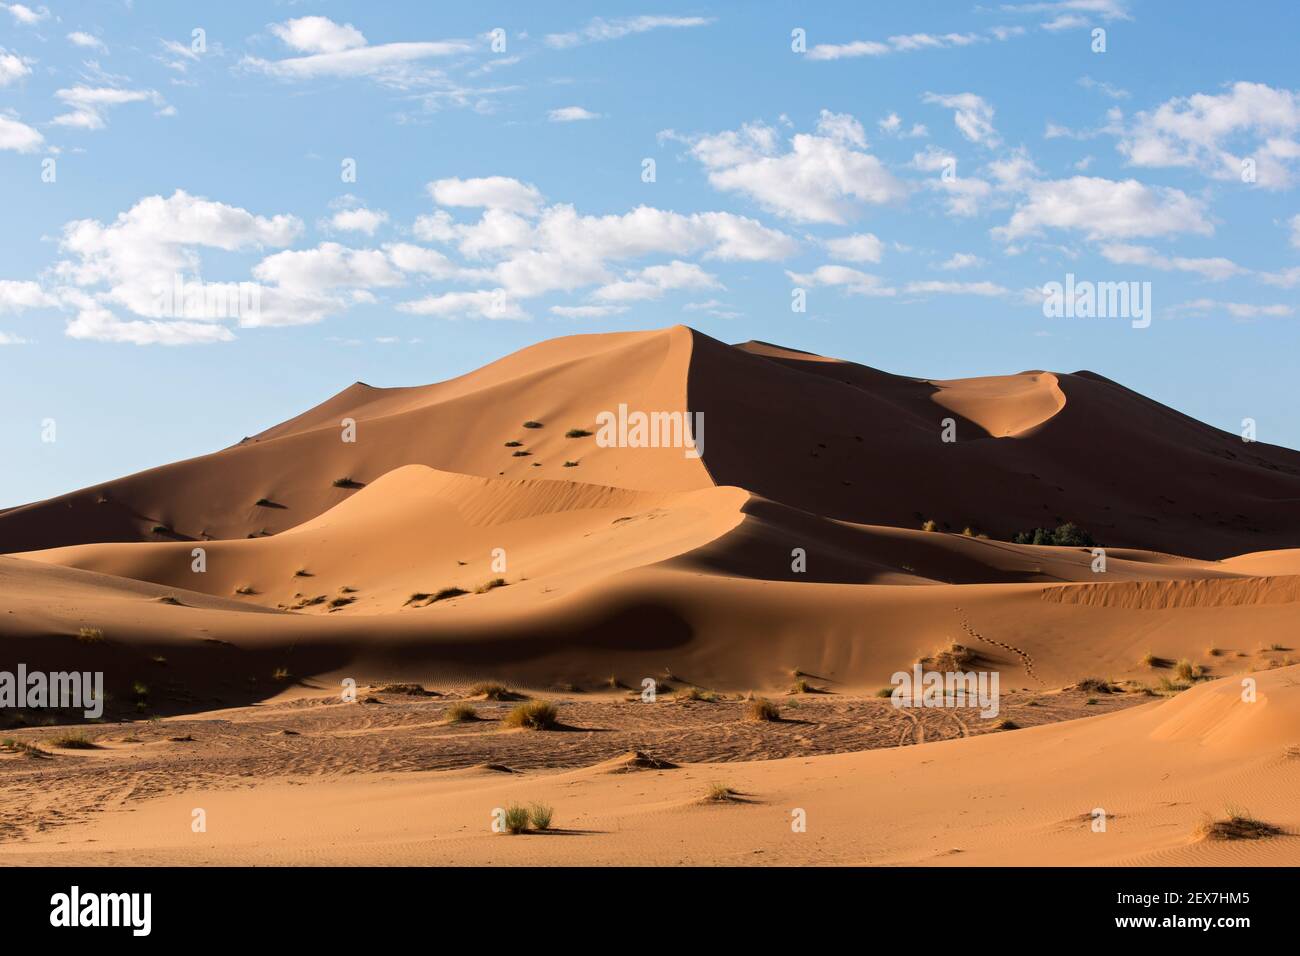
column 920, row 171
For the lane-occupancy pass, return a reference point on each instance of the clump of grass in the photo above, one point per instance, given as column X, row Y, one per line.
column 577, row 433
column 953, row 657
column 885, row 692
column 491, row 692
column 532, row 424
column 1098, row 685
column 968, row 532
column 719, row 793
column 540, row 815
column 802, row 686
column 929, row 525
column 534, row 715
column 302, row 573
column 245, row 589
column 262, row 503
column 342, row 601
column 461, row 713
column 696, row 693
column 346, row 481
column 760, row 708
column 516, row 821
column 1239, row 825
column 22, row 747
column 570, row 464
column 521, row 454
column 514, row 444
column 161, row 529
column 1006, row 725
column 1186, row 671
column 73, row 742
column 1213, row 652
column 1167, row 686
column 90, row 635
column 487, row 586
column 1149, row 660
column 280, row 673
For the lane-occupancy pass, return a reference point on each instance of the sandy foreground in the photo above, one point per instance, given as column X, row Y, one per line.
column 475, row 532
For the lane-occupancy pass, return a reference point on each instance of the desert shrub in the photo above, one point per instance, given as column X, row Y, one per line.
column 532, row 424
column 1098, row 684
column 719, row 793
column 461, row 713
column 490, row 585
column 1239, row 825
column 280, row 673
column 1006, row 725
column 339, row 602
column 577, row 433
column 885, row 692
column 73, row 742
column 929, row 526
column 491, row 692
column 696, row 693
column 540, row 815
column 760, row 708
column 1186, row 671
column 953, row 657
column 262, row 503
column 534, row 715
column 520, row 454
column 968, row 532
column 1149, row 660
column 1065, row 535
column 245, row 589
column 514, row 444
column 161, row 529
column 90, row 635
column 570, row 464
column 516, row 819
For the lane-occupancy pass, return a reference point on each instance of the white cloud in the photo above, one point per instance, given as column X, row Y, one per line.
column 861, row 247
column 571, row 114
column 1195, row 131
column 961, row 260
column 490, row 192
column 1295, row 230
column 956, row 288
column 25, row 15
column 653, row 281
column 18, row 136
column 12, row 67
column 359, row 220
column 7, row 339
column 600, row 29
column 318, row 35
column 1108, row 89
column 89, row 104
column 434, row 227
column 87, row 41
column 1216, row 269
column 483, row 304
column 340, row 50
column 1105, row 209
column 851, row 281
column 1106, row 9
column 587, row 311
column 892, row 125
column 904, row 43
column 328, row 266
column 972, row 114
column 823, row 178
column 19, row 295
column 1237, row 310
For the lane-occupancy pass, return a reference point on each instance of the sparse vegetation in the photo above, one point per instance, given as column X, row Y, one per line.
column 341, row 601
column 491, row 692
column 1213, row 652
column 1239, row 825
column 1188, row 672
column 490, row 585
column 161, row 529
column 90, row 635
column 1006, row 725
column 696, row 693
column 532, row 424
column 540, row 815
column 461, row 713
column 570, row 464
column 760, row 708
column 1098, row 685
column 802, row 686
column 885, row 692
column 953, row 657
column 516, row 820
column 534, row 715
column 929, row 525
column 1149, row 660
column 521, row 454
column 346, row 482
column 73, row 742
column 514, row 444
column 263, row 503
column 245, row 589
column 577, row 433
column 280, row 673
column 719, row 793
column 1065, row 535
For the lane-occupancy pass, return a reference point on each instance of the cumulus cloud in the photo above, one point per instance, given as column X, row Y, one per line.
column 851, row 281
column 653, row 281
column 1195, row 132
column 87, row 41
column 862, row 247
column 972, row 115
column 1105, row 209
column 903, row 43
column 25, row 15
column 12, row 67
column 825, row 176
column 359, row 219
column 18, row 136
column 340, row 50
column 599, row 29
column 586, row 311
column 19, row 295
column 961, row 260
column 481, row 304
column 490, row 192
column 571, row 114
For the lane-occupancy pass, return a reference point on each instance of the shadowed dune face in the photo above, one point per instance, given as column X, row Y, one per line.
column 1036, row 449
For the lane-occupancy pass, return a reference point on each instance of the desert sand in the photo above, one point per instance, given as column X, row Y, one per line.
column 451, row 544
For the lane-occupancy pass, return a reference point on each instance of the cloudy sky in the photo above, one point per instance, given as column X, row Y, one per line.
column 398, row 193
